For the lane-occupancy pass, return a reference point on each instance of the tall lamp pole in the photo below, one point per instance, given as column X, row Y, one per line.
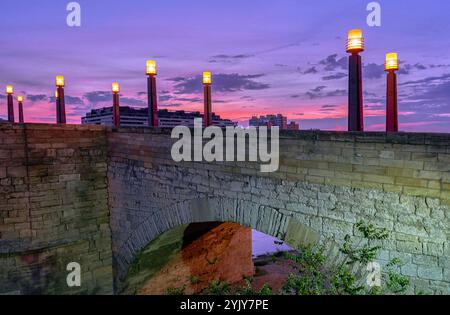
column 116, row 106
column 60, row 101
column 152, row 95
column 57, row 104
column 207, row 81
column 391, row 66
column 355, row 45
column 10, row 92
column 20, row 101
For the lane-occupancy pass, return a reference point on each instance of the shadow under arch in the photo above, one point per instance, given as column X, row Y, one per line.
column 215, row 209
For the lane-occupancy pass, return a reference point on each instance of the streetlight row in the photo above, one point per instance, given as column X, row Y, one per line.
column 151, row 72
column 355, row 45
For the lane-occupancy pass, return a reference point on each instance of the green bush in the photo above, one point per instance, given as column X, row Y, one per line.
column 217, row 287
column 317, row 277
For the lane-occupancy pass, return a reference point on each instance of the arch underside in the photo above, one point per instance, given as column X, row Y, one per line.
column 265, row 219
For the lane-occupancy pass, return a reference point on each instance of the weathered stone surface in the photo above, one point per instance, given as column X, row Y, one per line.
column 432, row 273
column 55, row 212
column 326, row 183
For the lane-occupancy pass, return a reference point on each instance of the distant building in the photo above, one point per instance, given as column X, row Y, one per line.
column 293, row 126
column 138, row 117
column 273, row 120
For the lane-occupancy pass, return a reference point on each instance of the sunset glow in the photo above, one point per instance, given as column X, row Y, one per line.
column 290, row 61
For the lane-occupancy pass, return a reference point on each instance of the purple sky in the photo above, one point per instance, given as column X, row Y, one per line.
column 284, row 56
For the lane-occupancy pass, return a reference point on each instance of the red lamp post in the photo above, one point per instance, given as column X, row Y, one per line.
column 355, row 45
column 60, row 101
column 152, row 95
column 207, row 81
column 20, row 101
column 10, row 100
column 116, row 107
column 391, row 66
column 57, row 105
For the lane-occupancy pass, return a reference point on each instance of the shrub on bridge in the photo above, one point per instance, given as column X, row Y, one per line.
column 317, row 276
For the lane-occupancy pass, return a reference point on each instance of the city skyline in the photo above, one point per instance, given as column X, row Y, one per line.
column 286, row 57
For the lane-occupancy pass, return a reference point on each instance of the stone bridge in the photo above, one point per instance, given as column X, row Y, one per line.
column 97, row 196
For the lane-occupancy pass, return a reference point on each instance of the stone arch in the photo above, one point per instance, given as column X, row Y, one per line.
column 223, row 209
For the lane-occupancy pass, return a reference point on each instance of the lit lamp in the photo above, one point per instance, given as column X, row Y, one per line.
column 20, row 101
column 207, row 78
column 151, row 67
column 355, row 41
column 391, row 62
column 60, row 81
column 60, row 100
column 151, row 92
column 116, row 108
column 391, row 65
column 207, row 81
column 10, row 92
column 355, row 45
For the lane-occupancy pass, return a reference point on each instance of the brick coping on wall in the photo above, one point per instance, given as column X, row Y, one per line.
column 438, row 139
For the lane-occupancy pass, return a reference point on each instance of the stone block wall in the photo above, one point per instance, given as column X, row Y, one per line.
column 53, row 209
column 406, row 163
column 327, row 181
column 65, row 191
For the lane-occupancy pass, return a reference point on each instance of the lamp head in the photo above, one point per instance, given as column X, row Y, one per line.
column 391, row 63
column 151, row 67
column 355, row 41
column 115, row 87
column 60, row 81
column 207, row 78
column 9, row 89
column 19, row 98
